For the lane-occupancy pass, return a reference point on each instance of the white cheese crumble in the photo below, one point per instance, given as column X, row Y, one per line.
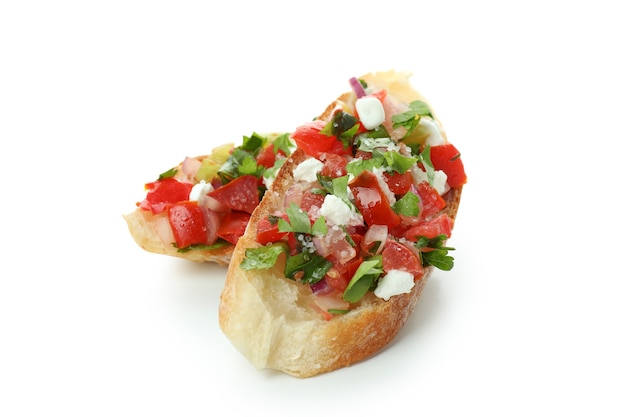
column 371, row 112
column 200, row 190
column 336, row 211
column 307, row 170
column 434, row 137
column 394, row 283
column 440, row 182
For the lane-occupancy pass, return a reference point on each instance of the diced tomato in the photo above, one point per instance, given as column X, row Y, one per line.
column 310, row 199
column 440, row 225
column 187, row 222
column 432, row 202
column 398, row 256
column 447, row 158
column 266, row 157
column 371, row 201
column 399, row 183
column 163, row 193
column 309, row 138
column 233, row 226
column 340, row 275
column 334, row 165
column 241, row 194
column 267, row 231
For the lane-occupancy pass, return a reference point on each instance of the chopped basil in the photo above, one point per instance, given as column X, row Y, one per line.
column 263, row 257
column 363, row 279
column 167, row 174
column 312, row 266
column 408, row 205
column 200, row 246
column 411, row 118
column 343, row 126
column 437, row 256
column 424, row 158
column 283, row 143
column 399, row 163
column 242, row 159
column 299, row 221
column 357, row 166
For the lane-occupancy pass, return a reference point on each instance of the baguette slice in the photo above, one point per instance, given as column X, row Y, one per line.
column 153, row 232
column 270, row 319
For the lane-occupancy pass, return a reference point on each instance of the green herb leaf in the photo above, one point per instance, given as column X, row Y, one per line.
column 437, row 255
column 312, row 266
column 199, row 246
column 253, row 143
column 357, row 166
column 167, row 174
column 424, row 158
column 263, row 257
column 319, row 228
column 363, row 278
column 438, row 258
column 282, row 143
column 299, row 221
column 398, row 162
column 343, row 126
column 408, row 205
column 411, row 118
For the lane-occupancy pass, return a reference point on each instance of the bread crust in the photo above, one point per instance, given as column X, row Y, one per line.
column 142, row 227
column 270, row 319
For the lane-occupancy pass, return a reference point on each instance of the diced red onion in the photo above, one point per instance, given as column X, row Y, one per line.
column 321, row 287
column 190, row 166
column 357, row 87
column 212, row 223
column 376, row 233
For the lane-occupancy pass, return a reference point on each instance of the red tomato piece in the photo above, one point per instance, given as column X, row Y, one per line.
column 267, row 231
column 398, row 256
column 447, row 158
column 432, row 202
column 371, row 201
column 340, row 275
column 266, row 157
column 334, row 165
column 163, row 193
column 314, row 143
column 233, row 226
column 440, row 225
column 241, row 194
column 187, row 222
column 399, row 183
column 310, row 199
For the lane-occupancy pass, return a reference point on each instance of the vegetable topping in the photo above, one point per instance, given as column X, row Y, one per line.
column 208, row 201
column 364, row 214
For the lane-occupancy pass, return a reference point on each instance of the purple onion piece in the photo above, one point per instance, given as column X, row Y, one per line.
column 357, row 87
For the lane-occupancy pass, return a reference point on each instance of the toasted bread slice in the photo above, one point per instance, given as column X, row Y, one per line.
column 272, row 320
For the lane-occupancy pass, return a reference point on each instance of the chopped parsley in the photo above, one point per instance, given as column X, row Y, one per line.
column 411, row 118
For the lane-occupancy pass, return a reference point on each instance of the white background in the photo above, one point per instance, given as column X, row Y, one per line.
column 98, row 98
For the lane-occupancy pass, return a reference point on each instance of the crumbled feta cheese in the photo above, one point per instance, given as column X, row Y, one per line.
column 394, row 283
column 200, row 190
column 336, row 211
column 440, row 182
column 371, row 112
column 307, row 170
column 434, row 137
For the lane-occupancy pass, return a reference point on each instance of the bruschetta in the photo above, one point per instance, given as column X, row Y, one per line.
column 199, row 209
column 337, row 253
